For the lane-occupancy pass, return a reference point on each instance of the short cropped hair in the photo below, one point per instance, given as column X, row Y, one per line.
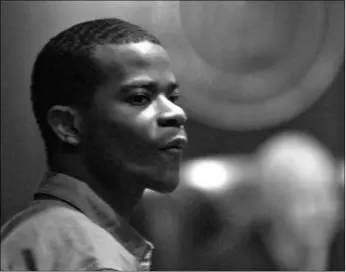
column 65, row 73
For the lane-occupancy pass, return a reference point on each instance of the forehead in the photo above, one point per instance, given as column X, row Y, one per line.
column 133, row 56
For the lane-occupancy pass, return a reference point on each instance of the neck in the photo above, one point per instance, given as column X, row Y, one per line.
column 122, row 193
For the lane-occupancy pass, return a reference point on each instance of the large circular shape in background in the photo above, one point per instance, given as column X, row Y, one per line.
column 252, row 64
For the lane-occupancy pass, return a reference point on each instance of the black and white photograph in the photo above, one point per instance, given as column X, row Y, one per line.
column 172, row 136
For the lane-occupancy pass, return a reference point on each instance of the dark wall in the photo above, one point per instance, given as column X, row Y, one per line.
column 325, row 120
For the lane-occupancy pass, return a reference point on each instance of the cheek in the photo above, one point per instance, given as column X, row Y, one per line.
column 96, row 141
column 144, row 123
column 131, row 123
column 118, row 139
column 104, row 138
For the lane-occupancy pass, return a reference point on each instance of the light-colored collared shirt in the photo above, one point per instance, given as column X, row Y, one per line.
column 69, row 227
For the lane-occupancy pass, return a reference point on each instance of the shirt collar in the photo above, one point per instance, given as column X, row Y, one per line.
column 79, row 195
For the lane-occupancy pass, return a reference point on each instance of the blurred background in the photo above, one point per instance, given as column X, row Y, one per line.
column 263, row 83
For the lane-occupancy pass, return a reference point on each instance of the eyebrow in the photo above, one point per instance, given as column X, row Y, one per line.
column 151, row 85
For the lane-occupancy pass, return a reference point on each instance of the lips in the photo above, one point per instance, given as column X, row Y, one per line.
column 176, row 144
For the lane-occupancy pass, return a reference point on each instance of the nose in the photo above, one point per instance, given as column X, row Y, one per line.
column 171, row 115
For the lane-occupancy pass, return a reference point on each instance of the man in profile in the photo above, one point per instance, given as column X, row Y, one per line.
column 104, row 98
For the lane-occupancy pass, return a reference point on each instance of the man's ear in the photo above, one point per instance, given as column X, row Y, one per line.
column 66, row 123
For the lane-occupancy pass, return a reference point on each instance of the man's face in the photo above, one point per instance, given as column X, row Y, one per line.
column 134, row 125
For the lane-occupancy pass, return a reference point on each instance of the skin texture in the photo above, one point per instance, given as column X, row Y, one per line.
column 119, row 139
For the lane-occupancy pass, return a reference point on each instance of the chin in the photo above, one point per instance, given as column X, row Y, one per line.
column 165, row 184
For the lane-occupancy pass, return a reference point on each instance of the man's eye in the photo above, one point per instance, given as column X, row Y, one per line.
column 139, row 99
column 174, row 97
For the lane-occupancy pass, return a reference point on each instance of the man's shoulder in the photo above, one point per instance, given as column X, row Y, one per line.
column 45, row 215
column 56, row 231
